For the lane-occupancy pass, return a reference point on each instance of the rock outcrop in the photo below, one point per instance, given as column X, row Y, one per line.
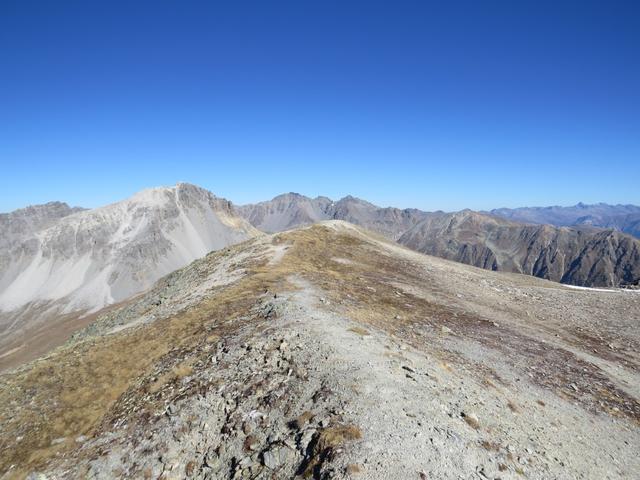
column 577, row 256
column 293, row 210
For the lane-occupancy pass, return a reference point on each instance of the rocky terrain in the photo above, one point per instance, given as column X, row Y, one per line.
column 625, row 218
column 586, row 257
column 329, row 352
column 59, row 264
column 22, row 224
column 294, row 210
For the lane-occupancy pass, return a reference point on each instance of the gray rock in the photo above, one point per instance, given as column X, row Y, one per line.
column 277, row 456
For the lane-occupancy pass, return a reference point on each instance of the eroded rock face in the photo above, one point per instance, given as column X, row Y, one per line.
column 96, row 257
column 23, row 223
column 293, row 210
column 586, row 257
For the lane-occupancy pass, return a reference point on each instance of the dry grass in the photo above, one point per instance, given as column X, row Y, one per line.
column 353, row 469
column 302, row 420
column 177, row 373
column 490, row 446
column 334, row 437
column 74, row 390
column 325, row 444
column 513, row 406
column 363, row 332
column 472, row 421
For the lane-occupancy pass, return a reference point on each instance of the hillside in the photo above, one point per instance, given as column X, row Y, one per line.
column 328, row 352
column 584, row 257
column 294, row 210
column 22, row 224
column 64, row 264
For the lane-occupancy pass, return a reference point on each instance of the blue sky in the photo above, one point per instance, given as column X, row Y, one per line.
column 435, row 105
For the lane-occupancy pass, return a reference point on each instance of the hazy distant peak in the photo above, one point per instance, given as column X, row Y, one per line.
column 625, row 218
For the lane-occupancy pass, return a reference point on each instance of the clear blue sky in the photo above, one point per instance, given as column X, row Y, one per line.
column 437, row 105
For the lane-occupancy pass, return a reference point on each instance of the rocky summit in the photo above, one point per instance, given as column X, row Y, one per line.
column 59, row 266
column 328, row 351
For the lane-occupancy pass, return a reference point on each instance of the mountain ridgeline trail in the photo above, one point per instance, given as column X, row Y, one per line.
column 330, row 352
column 573, row 251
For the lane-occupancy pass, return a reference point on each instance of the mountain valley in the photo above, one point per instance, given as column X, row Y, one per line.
column 167, row 336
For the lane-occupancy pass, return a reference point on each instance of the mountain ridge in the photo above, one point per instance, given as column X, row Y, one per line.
column 329, row 351
column 87, row 260
column 578, row 254
column 622, row 217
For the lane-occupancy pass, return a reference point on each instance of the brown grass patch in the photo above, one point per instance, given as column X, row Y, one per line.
column 513, row 406
column 302, row 420
column 177, row 373
column 336, row 436
column 472, row 421
column 490, row 446
column 363, row 332
column 325, row 444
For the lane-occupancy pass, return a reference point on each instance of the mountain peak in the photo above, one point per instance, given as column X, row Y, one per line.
column 109, row 253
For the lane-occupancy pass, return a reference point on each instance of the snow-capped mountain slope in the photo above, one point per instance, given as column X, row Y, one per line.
column 93, row 258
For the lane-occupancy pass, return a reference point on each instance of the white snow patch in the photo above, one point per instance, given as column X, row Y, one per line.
column 591, row 289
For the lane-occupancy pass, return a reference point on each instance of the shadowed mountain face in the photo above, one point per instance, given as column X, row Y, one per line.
column 293, row 210
column 625, row 218
column 586, row 257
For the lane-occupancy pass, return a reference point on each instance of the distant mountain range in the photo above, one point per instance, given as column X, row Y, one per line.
column 576, row 256
column 63, row 263
column 580, row 255
column 625, row 218
column 292, row 210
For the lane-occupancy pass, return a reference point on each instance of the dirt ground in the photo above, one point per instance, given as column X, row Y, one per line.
column 332, row 353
